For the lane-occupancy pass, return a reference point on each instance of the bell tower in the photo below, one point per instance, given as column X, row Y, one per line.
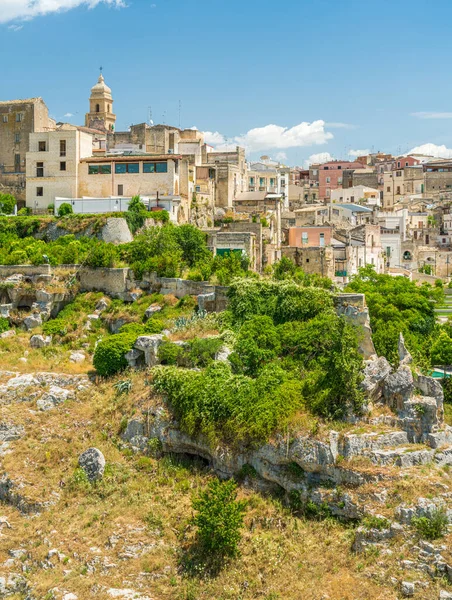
column 101, row 114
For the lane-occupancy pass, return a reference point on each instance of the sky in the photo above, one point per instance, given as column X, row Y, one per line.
column 299, row 80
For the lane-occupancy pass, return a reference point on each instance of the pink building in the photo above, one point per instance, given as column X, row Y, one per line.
column 330, row 175
column 310, row 237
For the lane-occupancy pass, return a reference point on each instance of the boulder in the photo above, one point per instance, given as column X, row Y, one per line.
column 40, row 341
column 151, row 310
column 223, row 354
column 398, row 387
column 102, row 305
column 149, row 344
column 56, row 395
column 77, row 357
column 407, row 589
column 92, row 461
column 5, row 310
column 8, row 334
column 375, row 373
column 33, row 321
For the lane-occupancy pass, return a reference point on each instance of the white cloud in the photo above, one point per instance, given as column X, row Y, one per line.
column 432, row 115
column 15, row 27
column 68, row 115
column 335, row 125
column 213, row 138
column 314, row 159
column 356, row 153
column 24, row 10
column 432, row 150
column 280, row 156
column 273, row 137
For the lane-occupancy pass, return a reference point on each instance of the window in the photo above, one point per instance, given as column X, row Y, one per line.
column 62, row 147
column 339, row 179
column 17, row 163
column 304, row 237
column 339, row 167
column 398, row 164
column 63, row 165
column 127, row 168
column 352, row 198
column 328, row 179
column 307, row 260
column 39, row 169
column 41, row 146
column 161, row 167
column 272, row 181
column 5, row 118
column 120, row 190
column 17, row 138
column 99, row 169
column 19, row 117
column 406, row 164
column 97, row 108
column 251, row 180
column 388, row 189
column 398, row 190
column 198, row 188
column 261, row 181
column 322, row 239
column 40, row 191
column 325, row 168
column 108, row 108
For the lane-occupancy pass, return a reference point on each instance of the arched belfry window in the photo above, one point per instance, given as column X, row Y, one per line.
column 97, row 108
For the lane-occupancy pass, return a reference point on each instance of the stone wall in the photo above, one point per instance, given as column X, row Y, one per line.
column 109, row 281
column 27, row 270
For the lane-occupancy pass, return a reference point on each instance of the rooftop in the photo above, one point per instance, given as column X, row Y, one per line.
column 127, row 157
column 23, row 101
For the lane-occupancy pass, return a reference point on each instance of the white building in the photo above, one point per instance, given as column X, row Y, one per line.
column 369, row 196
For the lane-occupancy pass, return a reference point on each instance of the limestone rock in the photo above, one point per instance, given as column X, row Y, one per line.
column 55, row 396
column 375, row 373
column 151, row 310
column 40, row 341
column 8, row 334
column 77, row 357
column 407, row 587
column 223, row 354
column 398, row 387
column 92, row 461
column 33, row 321
column 149, row 344
column 102, row 305
column 116, row 231
column 69, row 596
column 443, row 595
column 405, row 357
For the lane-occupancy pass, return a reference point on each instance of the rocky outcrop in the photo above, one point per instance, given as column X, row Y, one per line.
column 145, row 351
column 116, row 231
column 40, row 341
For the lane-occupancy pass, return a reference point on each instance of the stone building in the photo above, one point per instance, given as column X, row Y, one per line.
column 231, row 174
column 100, row 115
column 18, row 119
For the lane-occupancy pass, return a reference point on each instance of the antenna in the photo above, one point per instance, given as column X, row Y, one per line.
column 151, row 122
column 180, row 108
column 164, row 117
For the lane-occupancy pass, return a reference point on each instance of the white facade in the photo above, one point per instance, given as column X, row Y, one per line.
column 354, row 194
column 53, row 165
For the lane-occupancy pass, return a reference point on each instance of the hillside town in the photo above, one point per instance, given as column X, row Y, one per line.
column 392, row 212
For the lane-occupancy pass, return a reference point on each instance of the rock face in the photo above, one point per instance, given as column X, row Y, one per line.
column 77, row 357
column 33, row 321
column 151, row 310
column 116, row 231
column 148, row 346
column 92, row 461
column 56, row 395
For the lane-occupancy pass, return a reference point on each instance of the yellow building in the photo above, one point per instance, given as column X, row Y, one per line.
column 100, row 114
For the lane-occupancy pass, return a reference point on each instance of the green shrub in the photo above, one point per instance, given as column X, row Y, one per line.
column 135, row 329
column 7, row 203
column 432, row 527
column 4, row 324
column 203, row 350
column 373, row 522
column 109, row 354
column 102, row 255
column 55, row 327
column 24, row 211
column 257, row 344
column 65, row 209
column 170, row 353
column 219, row 518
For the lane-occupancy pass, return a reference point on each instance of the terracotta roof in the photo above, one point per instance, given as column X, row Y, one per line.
column 130, row 158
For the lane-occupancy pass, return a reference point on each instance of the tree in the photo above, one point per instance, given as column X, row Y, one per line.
column 7, row 203
column 442, row 350
column 219, row 518
column 257, row 344
column 192, row 242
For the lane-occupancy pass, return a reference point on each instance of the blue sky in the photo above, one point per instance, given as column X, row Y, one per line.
column 330, row 76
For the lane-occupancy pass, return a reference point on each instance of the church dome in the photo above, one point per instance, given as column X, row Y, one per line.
column 101, row 87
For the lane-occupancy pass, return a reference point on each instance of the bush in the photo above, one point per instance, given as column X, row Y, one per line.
column 102, row 255
column 65, row 209
column 203, row 350
column 109, row 354
column 434, row 526
column 55, row 327
column 219, row 518
column 4, row 324
column 170, row 353
column 257, row 344
column 24, row 211
column 7, row 204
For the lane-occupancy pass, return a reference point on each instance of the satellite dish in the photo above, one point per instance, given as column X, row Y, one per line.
column 151, row 122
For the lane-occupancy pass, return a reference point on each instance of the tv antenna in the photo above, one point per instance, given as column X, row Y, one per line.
column 180, row 108
column 151, row 122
